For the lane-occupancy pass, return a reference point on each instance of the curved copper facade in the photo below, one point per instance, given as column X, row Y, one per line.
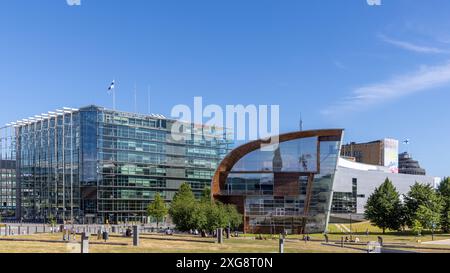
column 227, row 164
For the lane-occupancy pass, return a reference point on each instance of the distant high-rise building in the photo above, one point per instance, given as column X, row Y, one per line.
column 407, row 165
column 381, row 152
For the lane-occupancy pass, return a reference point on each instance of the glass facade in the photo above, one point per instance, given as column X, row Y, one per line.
column 8, row 183
column 346, row 202
column 98, row 165
column 48, row 167
column 7, row 189
column 284, row 187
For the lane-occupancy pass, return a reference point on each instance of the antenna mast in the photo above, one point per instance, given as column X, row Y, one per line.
column 301, row 122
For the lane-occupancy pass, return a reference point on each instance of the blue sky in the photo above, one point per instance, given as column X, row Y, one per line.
column 377, row 71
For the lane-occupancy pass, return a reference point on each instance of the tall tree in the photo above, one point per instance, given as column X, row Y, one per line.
column 235, row 219
column 206, row 195
column 183, row 208
column 384, row 207
column 157, row 209
column 427, row 217
column 216, row 216
column 205, row 214
column 444, row 191
column 421, row 195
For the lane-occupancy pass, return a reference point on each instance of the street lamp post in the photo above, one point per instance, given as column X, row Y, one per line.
column 433, row 226
column 351, row 231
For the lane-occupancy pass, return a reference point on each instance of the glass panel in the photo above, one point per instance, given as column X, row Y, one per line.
column 298, row 155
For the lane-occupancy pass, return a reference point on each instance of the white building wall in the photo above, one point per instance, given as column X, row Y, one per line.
column 368, row 180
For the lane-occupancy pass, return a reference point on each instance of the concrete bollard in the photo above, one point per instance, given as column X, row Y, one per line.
column 84, row 243
column 220, row 235
column 281, row 246
column 135, row 236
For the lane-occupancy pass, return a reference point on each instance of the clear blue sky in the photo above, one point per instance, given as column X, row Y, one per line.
column 375, row 71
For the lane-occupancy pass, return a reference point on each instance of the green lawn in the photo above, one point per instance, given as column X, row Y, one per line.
column 360, row 227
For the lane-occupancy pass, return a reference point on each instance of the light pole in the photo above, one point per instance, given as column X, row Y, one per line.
column 433, row 226
column 351, row 232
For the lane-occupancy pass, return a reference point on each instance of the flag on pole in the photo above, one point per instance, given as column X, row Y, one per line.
column 111, row 87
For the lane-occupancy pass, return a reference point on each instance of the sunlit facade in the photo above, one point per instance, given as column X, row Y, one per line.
column 7, row 189
column 7, row 173
column 282, row 187
column 97, row 165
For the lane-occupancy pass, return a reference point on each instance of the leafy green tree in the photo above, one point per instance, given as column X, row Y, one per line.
column 384, row 208
column 206, row 195
column 444, row 191
column 421, row 195
column 183, row 208
column 199, row 219
column 157, row 209
column 235, row 219
column 417, row 227
column 216, row 216
column 427, row 218
column 205, row 214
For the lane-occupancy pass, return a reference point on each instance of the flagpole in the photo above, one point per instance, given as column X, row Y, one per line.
column 114, row 98
column 112, row 91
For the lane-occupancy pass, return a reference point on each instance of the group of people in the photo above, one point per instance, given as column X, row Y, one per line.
column 68, row 234
column 194, row 232
column 347, row 240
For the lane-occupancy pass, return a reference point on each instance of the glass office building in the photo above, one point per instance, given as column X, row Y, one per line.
column 7, row 189
column 282, row 187
column 96, row 165
column 7, row 173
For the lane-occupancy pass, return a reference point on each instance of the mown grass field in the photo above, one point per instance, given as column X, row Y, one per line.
column 152, row 243
column 157, row 243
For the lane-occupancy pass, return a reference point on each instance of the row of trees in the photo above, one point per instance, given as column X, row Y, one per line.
column 422, row 208
column 188, row 213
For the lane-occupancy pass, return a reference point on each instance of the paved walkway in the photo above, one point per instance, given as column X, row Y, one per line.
column 442, row 242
